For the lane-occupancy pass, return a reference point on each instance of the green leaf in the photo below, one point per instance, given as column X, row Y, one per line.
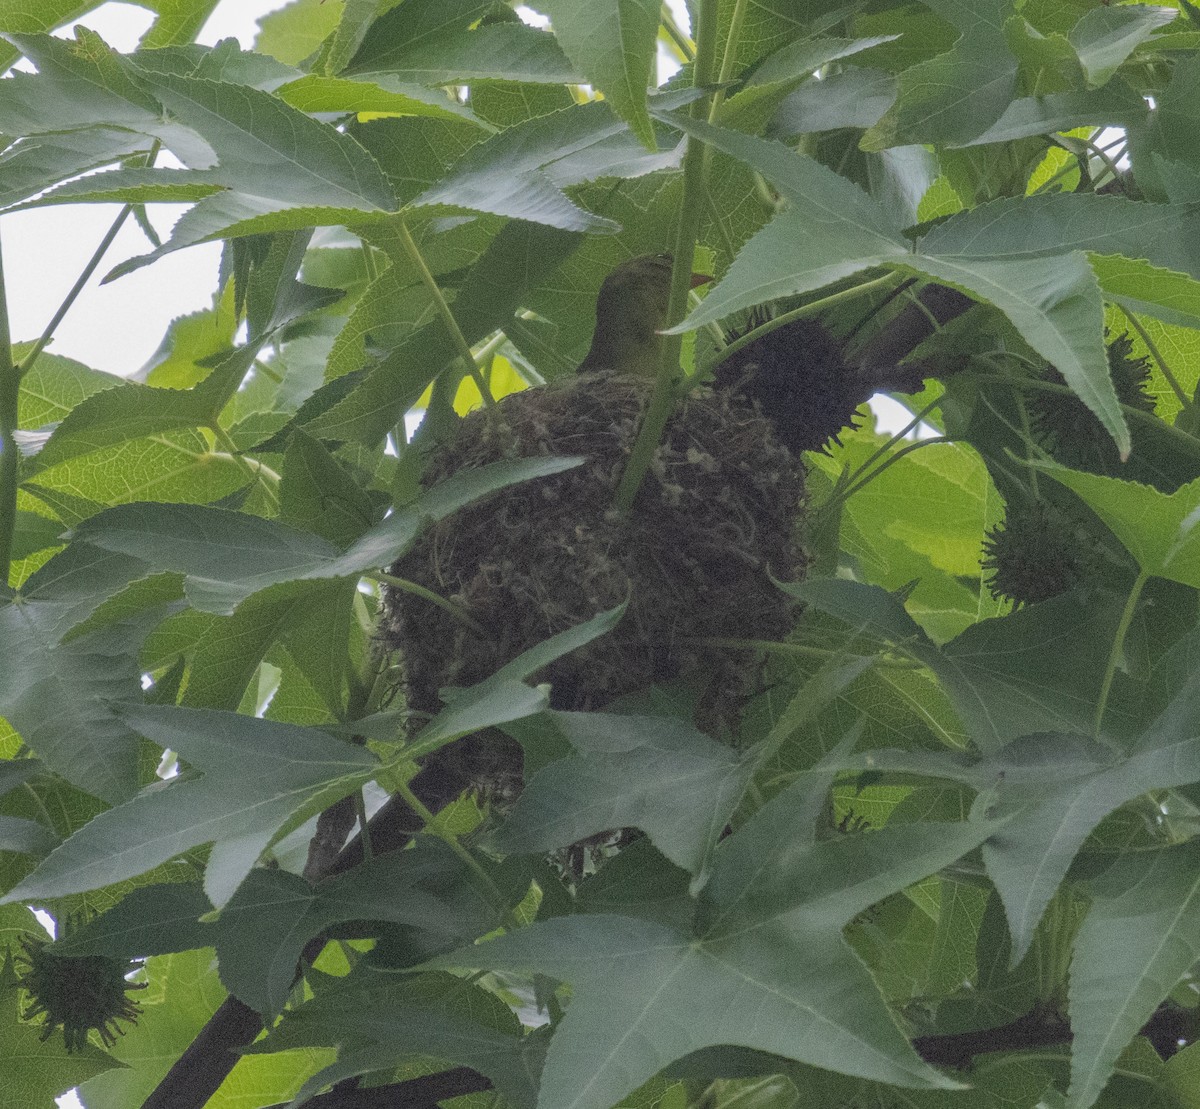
column 1160, row 530
column 521, row 172
column 1055, row 223
column 1116, row 105
column 178, row 20
column 1062, row 788
column 1104, row 37
column 184, row 993
column 61, row 696
column 176, row 466
column 656, row 774
column 339, row 48
column 295, row 31
column 856, row 97
column 319, row 495
column 804, row 57
column 831, row 230
column 266, row 924
column 408, row 29
column 256, row 780
column 225, row 62
column 1055, row 304
column 25, row 837
column 54, row 385
column 228, row 655
column 502, row 51
column 21, row 15
column 185, row 356
column 379, row 1019
column 959, row 94
column 382, row 93
column 79, row 84
column 228, row 556
column 131, row 411
column 613, row 43
column 150, row 920
column 269, row 149
column 131, row 186
column 1138, row 940
column 1007, row 677
column 522, row 256
column 1141, row 288
column 503, row 697
column 35, row 163
column 766, row 968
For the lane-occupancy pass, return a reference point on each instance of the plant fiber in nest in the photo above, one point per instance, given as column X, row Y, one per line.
column 713, row 522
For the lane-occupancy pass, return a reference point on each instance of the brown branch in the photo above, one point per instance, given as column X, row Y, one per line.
column 1170, row 1028
column 208, row 1059
column 426, row 1092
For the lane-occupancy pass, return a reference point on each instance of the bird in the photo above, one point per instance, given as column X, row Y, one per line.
column 631, row 310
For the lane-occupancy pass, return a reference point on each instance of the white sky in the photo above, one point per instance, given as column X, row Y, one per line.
column 115, row 327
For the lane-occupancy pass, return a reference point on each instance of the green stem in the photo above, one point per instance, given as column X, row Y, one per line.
column 264, row 475
column 451, row 840
column 1182, row 439
column 364, row 834
column 1118, row 647
column 10, row 392
column 1027, row 428
column 729, row 59
column 682, row 43
column 1152, row 347
column 443, row 603
column 803, row 311
column 850, row 490
column 695, row 172
column 799, row 650
column 443, row 308
column 897, row 438
column 368, row 254
column 93, row 263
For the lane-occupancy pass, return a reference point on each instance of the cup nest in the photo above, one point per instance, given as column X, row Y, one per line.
column 714, row 522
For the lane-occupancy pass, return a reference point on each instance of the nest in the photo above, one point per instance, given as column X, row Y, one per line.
column 713, row 523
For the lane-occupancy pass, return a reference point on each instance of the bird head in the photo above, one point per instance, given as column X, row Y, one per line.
column 631, row 310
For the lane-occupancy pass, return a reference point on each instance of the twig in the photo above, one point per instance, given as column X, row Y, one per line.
column 691, row 208
column 10, row 391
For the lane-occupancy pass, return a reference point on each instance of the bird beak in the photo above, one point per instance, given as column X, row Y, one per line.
column 699, row 279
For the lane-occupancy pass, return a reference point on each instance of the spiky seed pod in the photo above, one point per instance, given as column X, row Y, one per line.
column 1037, row 553
column 78, row 994
column 1069, row 430
column 797, row 378
column 694, row 558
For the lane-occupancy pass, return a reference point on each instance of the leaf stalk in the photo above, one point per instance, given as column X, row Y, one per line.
column 10, row 390
column 687, row 230
column 1118, row 648
column 443, row 308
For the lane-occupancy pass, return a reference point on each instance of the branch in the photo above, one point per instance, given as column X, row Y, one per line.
column 1169, row 1030
column 426, row 1092
column 208, row 1059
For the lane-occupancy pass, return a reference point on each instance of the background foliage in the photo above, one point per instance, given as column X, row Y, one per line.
column 950, row 857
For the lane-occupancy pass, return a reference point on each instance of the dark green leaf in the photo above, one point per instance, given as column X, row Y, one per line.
column 1139, row 939
column 1106, row 36
column 613, row 44
column 257, row 780
column 659, row 775
column 959, row 94
column 265, row 925
column 504, row 51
